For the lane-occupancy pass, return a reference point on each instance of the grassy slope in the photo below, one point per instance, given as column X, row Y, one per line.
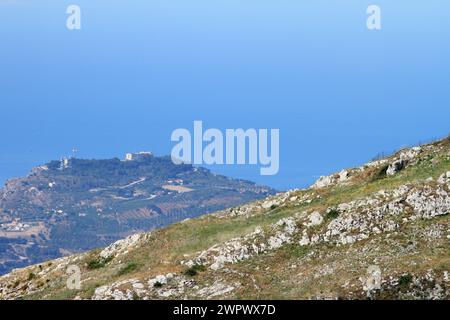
column 284, row 273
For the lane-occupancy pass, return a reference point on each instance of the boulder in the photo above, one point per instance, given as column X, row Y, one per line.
column 395, row 167
column 444, row 178
column 344, row 175
column 323, row 182
column 315, row 219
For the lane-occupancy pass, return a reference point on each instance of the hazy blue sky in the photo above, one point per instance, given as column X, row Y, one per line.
column 137, row 70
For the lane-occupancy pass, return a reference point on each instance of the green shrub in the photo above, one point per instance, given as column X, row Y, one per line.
column 405, row 280
column 381, row 173
column 136, row 296
column 130, row 267
column 293, row 251
column 332, row 214
column 194, row 270
column 98, row 263
column 31, row 276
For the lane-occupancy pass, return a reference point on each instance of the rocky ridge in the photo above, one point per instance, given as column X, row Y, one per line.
column 323, row 242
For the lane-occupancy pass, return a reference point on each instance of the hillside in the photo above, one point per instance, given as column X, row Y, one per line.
column 387, row 220
column 75, row 205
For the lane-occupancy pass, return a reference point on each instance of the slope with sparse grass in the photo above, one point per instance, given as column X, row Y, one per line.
column 318, row 243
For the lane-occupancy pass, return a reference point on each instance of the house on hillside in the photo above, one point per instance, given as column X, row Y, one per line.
column 142, row 155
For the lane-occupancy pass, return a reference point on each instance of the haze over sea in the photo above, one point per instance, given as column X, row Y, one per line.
column 137, row 70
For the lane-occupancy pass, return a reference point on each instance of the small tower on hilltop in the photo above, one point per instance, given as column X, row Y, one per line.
column 74, row 153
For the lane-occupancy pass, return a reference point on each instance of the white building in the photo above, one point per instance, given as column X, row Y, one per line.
column 64, row 163
column 138, row 156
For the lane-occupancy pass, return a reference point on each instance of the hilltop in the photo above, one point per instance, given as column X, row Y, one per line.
column 379, row 231
column 74, row 205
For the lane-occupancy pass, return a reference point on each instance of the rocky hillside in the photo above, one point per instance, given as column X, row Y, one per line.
column 75, row 205
column 380, row 231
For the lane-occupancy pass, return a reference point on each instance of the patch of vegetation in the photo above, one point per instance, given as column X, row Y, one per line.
column 130, row 267
column 158, row 284
column 405, row 280
column 136, row 296
column 65, row 294
column 443, row 267
column 445, row 215
column 381, row 173
column 273, row 207
column 89, row 288
column 31, row 276
column 293, row 251
column 332, row 214
column 98, row 263
column 194, row 270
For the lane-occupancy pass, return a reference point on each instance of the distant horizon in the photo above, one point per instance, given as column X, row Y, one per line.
column 339, row 92
column 385, row 153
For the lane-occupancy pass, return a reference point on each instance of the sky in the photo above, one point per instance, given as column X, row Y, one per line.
column 137, row 70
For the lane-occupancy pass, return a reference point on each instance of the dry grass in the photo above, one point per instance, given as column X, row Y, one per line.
column 288, row 273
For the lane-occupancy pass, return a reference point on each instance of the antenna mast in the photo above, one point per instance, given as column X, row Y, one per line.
column 74, row 152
